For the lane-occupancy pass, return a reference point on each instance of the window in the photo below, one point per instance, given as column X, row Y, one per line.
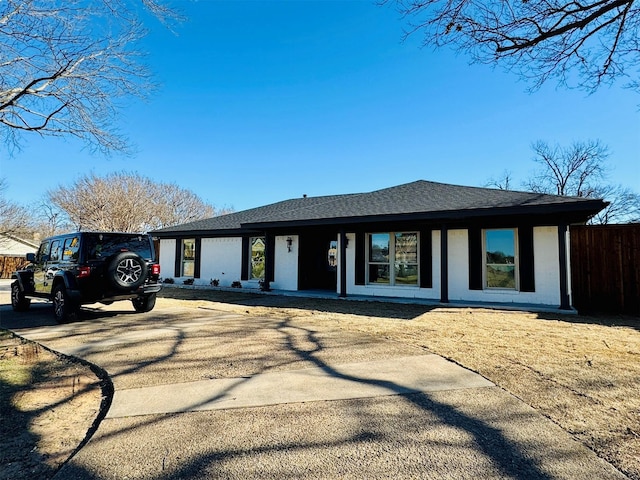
column 500, row 269
column 188, row 257
column 256, row 254
column 406, row 259
column 332, row 255
column 43, row 253
column 393, row 258
column 70, row 251
column 104, row 245
column 55, row 251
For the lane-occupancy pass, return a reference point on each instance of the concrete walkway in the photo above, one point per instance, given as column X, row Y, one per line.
column 425, row 373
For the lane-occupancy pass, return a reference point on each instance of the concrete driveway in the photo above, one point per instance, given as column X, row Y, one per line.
column 204, row 393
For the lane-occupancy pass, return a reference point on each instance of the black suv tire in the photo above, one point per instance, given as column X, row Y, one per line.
column 18, row 300
column 64, row 309
column 144, row 303
column 127, row 271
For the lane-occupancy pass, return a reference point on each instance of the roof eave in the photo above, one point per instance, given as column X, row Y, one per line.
column 225, row 232
column 577, row 212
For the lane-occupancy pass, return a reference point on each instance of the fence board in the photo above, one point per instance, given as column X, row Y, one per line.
column 605, row 268
column 10, row 263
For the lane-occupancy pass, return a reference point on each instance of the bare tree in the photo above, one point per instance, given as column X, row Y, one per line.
column 15, row 219
column 127, row 202
column 503, row 182
column 598, row 40
column 65, row 66
column 49, row 220
column 624, row 205
column 578, row 170
column 581, row 170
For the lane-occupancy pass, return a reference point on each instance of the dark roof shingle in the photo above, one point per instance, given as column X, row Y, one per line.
column 419, row 198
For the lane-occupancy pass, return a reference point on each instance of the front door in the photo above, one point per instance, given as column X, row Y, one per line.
column 318, row 261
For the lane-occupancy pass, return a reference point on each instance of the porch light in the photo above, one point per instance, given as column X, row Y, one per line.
column 289, row 243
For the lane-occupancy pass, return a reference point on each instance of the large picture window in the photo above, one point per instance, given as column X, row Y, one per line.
column 500, row 269
column 257, row 256
column 188, row 257
column 393, row 258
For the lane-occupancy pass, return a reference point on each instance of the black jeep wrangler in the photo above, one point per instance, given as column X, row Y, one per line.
column 88, row 267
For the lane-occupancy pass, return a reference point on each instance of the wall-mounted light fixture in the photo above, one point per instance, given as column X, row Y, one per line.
column 289, row 243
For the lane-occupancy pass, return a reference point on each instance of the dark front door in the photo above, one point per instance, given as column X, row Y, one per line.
column 318, row 260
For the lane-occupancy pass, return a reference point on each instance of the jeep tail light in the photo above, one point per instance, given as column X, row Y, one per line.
column 155, row 269
column 84, row 272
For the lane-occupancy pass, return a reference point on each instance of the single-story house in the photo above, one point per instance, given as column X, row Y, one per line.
column 421, row 240
column 12, row 253
column 12, row 246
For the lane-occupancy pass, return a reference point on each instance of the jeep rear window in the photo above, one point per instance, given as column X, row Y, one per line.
column 70, row 250
column 104, row 245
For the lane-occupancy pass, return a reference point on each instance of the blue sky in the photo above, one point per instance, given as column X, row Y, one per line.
column 265, row 101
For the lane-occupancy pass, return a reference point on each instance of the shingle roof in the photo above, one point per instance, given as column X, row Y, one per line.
column 234, row 221
column 419, row 199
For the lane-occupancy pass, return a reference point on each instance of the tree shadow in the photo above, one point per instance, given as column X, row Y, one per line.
column 25, row 373
column 18, row 453
column 506, row 455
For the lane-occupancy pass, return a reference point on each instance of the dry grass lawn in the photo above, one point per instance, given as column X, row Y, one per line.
column 581, row 372
column 47, row 405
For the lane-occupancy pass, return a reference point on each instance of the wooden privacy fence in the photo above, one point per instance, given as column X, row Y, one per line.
column 605, row 268
column 9, row 264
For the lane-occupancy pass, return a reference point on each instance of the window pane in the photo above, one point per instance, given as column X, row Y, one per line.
column 188, row 257
column 70, row 252
column 104, row 245
column 500, row 258
column 55, row 251
column 332, row 255
column 188, row 268
column 379, row 274
column 406, row 274
column 43, row 253
column 407, row 247
column 189, row 249
column 379, row 247
column 501, row 276
column 257, row 257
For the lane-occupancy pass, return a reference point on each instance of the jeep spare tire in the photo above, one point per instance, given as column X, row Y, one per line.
column 126, row 271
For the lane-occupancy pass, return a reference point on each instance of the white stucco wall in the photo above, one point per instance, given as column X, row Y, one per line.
column 221, row 259
column 547, row 266
column 285, row 275
column 167, row 257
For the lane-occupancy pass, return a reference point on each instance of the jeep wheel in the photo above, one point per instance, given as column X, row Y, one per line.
column 64, row 309
column 18, row 301
column 144, row 303
column 127, row 271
